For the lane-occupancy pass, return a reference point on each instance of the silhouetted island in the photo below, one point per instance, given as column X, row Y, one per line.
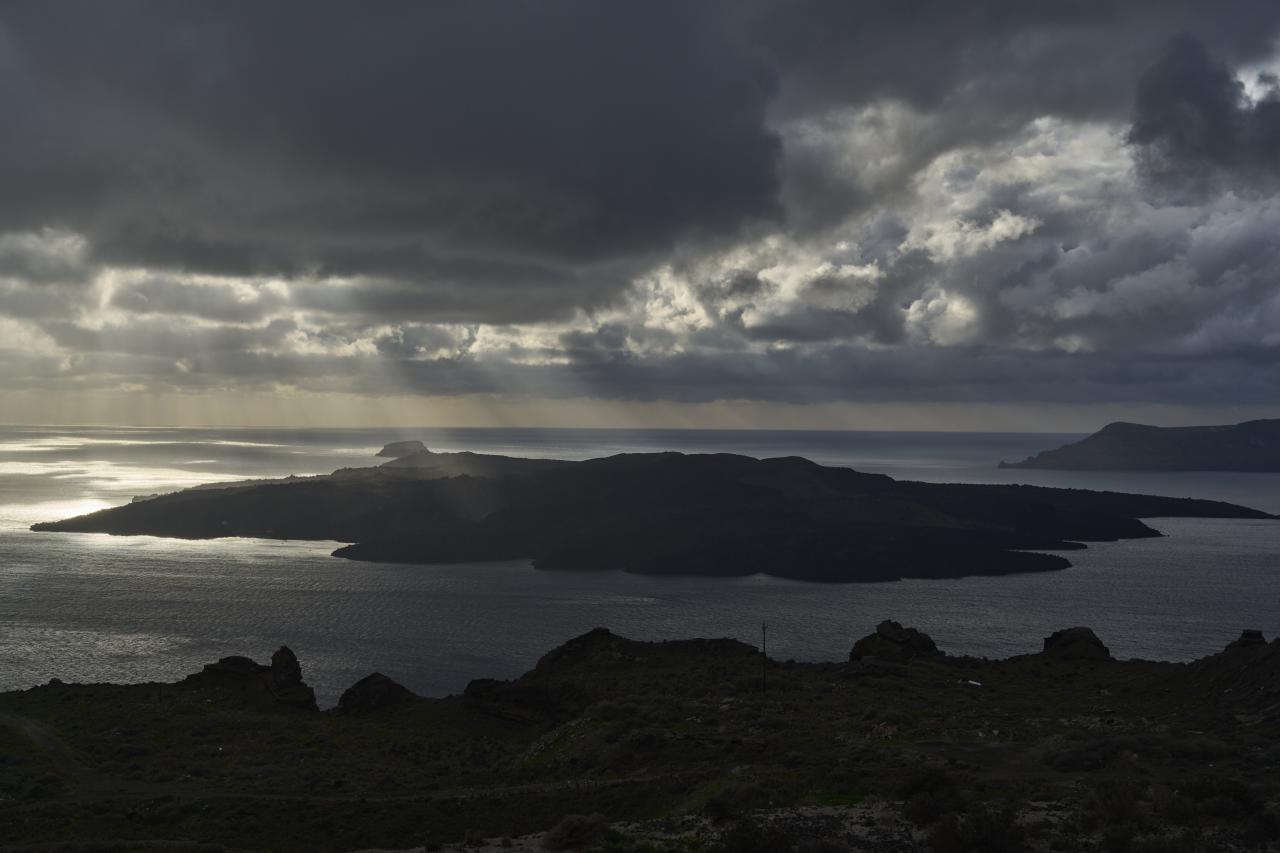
column 659, row 513
column 1250, row 446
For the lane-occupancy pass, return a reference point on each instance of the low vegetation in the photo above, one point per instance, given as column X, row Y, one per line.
column 615, row 745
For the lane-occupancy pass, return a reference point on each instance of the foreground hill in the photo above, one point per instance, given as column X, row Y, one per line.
column 659, row 513
column 1250, row 446
column 694, row 746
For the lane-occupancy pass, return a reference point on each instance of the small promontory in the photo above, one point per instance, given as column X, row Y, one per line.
column 1252, row 446
column 401, row 449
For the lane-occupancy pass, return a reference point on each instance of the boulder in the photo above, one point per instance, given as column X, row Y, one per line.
column 286, row 684
column 233, row 668
column 895, row 644
column 372, row 693
column 1075, row 644
column 286, row 672
column 1249, row 638
column 278, row 684
column 400, row 449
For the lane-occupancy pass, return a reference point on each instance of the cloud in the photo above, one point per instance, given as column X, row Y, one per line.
column 1193, row 122
column 799, row 201
column 300, row 138
column 217, row 301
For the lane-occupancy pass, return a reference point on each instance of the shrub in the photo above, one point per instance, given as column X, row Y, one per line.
column 576, row 831
column 1116, row 801
column 750, row 837
column 737, row 800
column 822, row 845
column 982, row 829
column 929, row 795
column 1262, row 828
column 1184, row 843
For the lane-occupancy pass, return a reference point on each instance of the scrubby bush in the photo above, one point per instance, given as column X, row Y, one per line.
column 576, row 831
column 982, row 829
column 1186, row 842
column 1262, row 828
column 928, row 795
column 1118, row 801
column 750, row 837
column 737, row 801
column 1222, row 798
column 822, row 845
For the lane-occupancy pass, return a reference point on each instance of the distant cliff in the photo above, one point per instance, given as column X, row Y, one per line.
column 1250, row 446
column 397, row 449
column 660, row 513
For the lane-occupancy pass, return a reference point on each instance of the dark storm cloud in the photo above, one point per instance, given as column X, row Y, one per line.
column 166, row 340
column 1047, row 57
column 1193, row 121
column 291, row 138
column 774, row 199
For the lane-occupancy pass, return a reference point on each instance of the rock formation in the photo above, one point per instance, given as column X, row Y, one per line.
column 1249, row 638
column 400, row 449
column 1075, row 644
column 895, row 644
column 372, row 693
column 278, row 684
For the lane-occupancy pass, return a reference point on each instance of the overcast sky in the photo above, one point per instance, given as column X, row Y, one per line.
column 995, row 213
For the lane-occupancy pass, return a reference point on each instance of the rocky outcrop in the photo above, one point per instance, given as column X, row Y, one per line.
column 1249, row 638
column 400, row 449
column 287, row 685
column 373, row 693
column 278, row 684
column 895, row 644
column 1250, row 446
column 1246, row 673
column 1077, row 644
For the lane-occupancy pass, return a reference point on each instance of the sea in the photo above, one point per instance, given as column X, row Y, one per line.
column 93, row 607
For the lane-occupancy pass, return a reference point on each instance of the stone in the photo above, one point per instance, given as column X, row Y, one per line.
column 400, row 449
column 893, row 643
column 1075, row 644
column 286, row 683
column 372, row 693
column 285, row 669
column 1249, row 638
column 279, row 684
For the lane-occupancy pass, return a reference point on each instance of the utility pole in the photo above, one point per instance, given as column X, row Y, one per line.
column 764, row 657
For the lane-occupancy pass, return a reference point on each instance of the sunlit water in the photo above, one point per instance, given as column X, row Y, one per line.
column 95, row 607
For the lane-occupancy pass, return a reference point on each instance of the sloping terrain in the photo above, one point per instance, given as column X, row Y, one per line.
column 694, row 746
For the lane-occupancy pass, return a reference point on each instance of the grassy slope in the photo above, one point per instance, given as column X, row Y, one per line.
column 645, row 731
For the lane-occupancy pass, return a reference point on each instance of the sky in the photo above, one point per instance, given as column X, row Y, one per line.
column 918, row 214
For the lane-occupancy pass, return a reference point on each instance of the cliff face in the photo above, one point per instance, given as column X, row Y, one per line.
column 397, row 449
column 660, row 513
column 1250, row 446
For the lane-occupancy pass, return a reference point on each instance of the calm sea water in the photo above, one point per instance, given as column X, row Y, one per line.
column 95, row 607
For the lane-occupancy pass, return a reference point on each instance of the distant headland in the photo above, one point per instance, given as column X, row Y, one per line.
column 658, row 513
column 1250, row 446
